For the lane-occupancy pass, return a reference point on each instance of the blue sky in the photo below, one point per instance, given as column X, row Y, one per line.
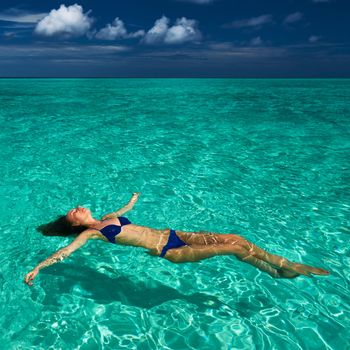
column 175, row 38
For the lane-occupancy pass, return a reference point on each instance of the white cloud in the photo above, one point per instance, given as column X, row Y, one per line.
column 250, row 22
column 184, row 30
column 293, row 17
column 117, row 30
column 314, row 38
column 66, row 21
column 158, row 32
column 20, row 16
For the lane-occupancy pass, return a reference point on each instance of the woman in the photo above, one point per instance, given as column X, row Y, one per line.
column 177, row 247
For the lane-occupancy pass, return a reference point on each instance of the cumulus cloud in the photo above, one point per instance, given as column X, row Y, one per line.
column 184, row 30
column 117, row 30
column 250, row 22
column 293, row 17
column 66, row 21
column 158, row 32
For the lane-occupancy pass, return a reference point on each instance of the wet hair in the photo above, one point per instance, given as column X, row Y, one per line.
column 60, row 227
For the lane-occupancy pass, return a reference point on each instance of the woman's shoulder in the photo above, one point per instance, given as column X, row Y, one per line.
column 92, row 233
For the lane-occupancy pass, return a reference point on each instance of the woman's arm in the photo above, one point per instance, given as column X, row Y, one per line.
column 59, row 255
column 124, row 209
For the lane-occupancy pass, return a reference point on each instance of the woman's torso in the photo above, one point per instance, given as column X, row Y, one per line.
column 150, row 238
column 134, row 235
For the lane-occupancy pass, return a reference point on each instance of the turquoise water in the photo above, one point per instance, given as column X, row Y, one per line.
column 267, row 159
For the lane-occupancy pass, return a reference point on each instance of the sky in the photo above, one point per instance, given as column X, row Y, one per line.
column 175, row 38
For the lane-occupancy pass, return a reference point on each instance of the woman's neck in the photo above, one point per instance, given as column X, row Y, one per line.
column 92, row 223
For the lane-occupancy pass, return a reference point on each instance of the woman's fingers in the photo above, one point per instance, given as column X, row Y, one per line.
column 29, row 277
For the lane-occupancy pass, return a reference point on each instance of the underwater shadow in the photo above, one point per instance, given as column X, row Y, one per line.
column 104, row 289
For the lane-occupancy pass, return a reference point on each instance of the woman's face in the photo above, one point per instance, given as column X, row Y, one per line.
column 78, row 216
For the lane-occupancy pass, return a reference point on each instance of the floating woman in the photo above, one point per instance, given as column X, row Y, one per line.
column 175, row 246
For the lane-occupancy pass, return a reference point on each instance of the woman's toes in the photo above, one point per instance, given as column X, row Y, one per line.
column 319, row 271
column 308, row 270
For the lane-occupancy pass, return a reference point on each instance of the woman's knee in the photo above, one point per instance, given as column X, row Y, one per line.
column 241, row 252
column 178, row 256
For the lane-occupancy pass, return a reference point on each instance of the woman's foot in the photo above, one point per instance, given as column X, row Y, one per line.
column 305, row 270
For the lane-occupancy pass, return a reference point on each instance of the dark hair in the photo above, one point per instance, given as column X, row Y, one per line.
column 60, row 227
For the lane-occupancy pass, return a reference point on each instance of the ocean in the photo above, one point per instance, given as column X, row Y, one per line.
column 264, row 158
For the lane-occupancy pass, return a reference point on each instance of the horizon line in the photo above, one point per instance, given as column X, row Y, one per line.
column 166, row 77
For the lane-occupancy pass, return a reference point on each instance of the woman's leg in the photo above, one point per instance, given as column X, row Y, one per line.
column 249, row 253
column 199, row 252
column 232, row 239
column 274, row 265
column 286, row 267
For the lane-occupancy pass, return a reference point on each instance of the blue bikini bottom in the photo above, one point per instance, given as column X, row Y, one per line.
column 173, row 242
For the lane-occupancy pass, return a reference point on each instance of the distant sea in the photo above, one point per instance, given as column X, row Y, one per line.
column 266, row 159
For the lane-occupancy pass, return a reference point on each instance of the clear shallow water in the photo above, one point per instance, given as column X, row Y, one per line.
column 268, row 159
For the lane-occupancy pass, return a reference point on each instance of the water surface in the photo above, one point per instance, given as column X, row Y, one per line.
column 267, row 159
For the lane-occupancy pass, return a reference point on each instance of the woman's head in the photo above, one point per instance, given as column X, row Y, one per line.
column 73, row 223
column 79, row 216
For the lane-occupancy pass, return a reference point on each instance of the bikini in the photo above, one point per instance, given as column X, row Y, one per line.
column 173, row 242
column 111, row 231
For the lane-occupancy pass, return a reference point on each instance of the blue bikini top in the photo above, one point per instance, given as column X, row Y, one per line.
column 110, row 231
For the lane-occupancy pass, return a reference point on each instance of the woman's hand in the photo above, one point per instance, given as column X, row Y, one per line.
column 135, row 196
column 30, row 276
